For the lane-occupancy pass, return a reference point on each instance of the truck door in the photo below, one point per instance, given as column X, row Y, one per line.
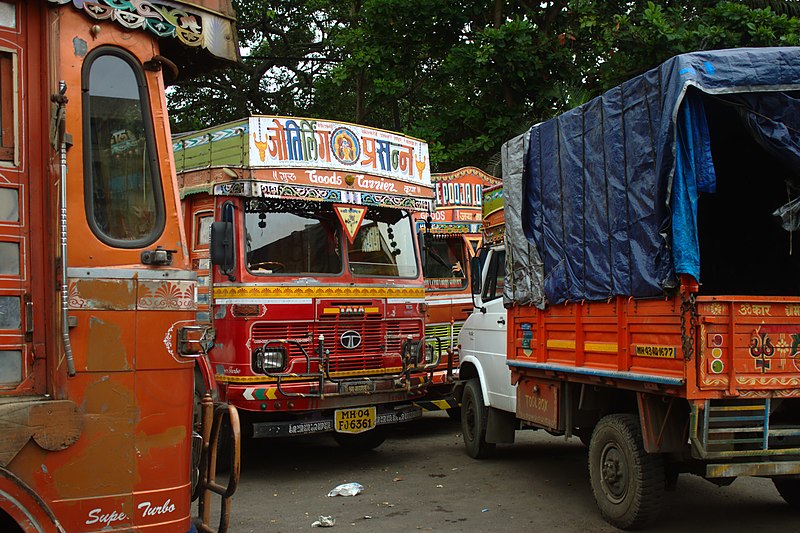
column 21, row 214
column 490, row 334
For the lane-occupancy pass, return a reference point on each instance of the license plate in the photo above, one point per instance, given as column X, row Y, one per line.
column 357, row 387
column 357, row 420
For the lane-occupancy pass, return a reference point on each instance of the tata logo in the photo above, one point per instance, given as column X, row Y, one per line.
column 352, row 311
column 350, row 339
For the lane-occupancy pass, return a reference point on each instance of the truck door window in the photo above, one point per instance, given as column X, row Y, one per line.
column 495, row 277
column 202, row 227
column 124, row 201
column 8, row 124
column 8, row 15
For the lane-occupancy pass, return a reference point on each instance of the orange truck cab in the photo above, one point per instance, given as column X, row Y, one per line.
column 652, row 290
column 303, row 239
column 98, row 338
column 449, row 237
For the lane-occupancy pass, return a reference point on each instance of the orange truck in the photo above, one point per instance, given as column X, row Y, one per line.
column 98, row 339
column 303, row 239
column 652, row 293
column 449, row 237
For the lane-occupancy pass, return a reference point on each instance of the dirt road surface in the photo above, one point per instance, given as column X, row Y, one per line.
column 420, row 479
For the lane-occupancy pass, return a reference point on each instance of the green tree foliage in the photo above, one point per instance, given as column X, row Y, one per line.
column 465, row 75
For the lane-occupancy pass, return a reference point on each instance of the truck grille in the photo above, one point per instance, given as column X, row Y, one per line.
column 370, row 355
column 444, row 332
column 263, row 331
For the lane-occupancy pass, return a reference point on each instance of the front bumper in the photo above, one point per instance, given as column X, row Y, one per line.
column 301, row 396
column 322, row 422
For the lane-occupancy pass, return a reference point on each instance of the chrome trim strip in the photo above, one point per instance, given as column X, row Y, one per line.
column 130, row 273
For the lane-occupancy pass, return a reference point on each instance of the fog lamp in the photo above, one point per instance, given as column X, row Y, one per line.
column 431, row 357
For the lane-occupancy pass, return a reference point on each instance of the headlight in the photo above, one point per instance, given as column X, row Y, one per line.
column 269, row 359
column 431, row 355
column 420, row 353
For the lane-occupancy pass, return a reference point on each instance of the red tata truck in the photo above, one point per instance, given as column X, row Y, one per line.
column 652, row 286
column 303, row 240
column 449, row 237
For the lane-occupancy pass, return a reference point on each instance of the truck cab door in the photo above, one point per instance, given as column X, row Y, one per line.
column 488, row 334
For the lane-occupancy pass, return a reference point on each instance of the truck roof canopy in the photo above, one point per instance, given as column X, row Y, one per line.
column 601, row 201
column 196, row 35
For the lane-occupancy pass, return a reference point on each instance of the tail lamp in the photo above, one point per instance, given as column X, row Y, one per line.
column 267, row 359
column 717, row 342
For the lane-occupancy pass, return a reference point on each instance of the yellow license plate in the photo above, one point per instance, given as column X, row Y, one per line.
column 357, row 420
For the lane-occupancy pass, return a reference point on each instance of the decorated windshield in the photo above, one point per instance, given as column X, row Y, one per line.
column 444, row 263
column 311, row 239
column 292, row 243
column 384, row 245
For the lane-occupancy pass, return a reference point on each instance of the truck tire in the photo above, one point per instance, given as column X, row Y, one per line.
column 628, row 483
column 369, row 440
column 474, row 415
column 789, row 489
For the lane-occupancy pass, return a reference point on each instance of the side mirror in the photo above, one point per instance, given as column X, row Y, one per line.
column 423, row 249
column 475, row 275
column 222, row 249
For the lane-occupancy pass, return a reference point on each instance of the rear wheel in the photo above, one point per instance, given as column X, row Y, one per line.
column 474, row 416
column 789, row 489
column 628, row 483
column 369, row 440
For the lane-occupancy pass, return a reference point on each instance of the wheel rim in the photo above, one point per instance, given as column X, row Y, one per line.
column 469, row 408
column 613, row 473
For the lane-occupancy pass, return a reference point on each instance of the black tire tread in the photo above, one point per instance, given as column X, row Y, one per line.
column 476, row 448
column 648, row 470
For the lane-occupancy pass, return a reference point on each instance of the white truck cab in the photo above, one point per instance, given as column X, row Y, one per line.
column 488, row 400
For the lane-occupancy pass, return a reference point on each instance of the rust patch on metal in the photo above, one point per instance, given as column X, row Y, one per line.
column 166, row 439
column 117, row 295
column 104, row 347
column 107, row 446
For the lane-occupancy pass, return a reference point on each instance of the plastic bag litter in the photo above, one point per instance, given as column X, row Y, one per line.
column 347, row 489
column 324, row 521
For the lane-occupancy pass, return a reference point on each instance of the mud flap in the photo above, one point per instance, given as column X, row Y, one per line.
column 500, row 427
column 664, row 422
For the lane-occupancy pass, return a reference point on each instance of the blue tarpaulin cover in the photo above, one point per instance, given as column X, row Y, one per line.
column 601, row 201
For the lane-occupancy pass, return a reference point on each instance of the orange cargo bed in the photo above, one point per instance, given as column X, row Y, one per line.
column 744, row 346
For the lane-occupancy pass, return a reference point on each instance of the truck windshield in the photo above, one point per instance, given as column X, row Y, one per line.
column 384, row 245
column 290, row 243
column 444, row 263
